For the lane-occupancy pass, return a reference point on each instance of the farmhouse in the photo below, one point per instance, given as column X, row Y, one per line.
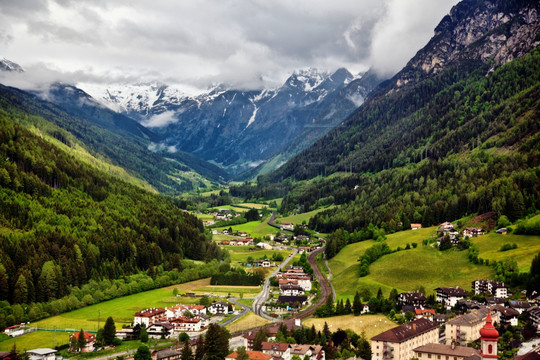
column 15, row 330
column 472, row 232
column 450, row 295
column 398, row 343
column 424, row 313
column 416, row 226
column 287, row 226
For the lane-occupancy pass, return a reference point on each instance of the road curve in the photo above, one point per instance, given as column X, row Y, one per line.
column 325, row 286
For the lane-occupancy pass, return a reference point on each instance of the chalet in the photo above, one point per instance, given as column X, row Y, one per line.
column 507, row 316
column 225, row 232
column 416, row 299
column 295, row 269
column 276, row 350
column 428, row 314
column 534, row 316
column 264, row 245
column 89, row 340
column 365, row 308
column 313, row 352
column 291, row 290
column 149, row 316
column 450, row 295
column 465, row 328
column 466, row 305
column 245, row 242
column 302, row 238
column 496, row 288
column 126, row 334
column 42, row 354
column 416, row 226
column 287, row 282
column 502, row 231
column 262, row 263
column 160, row 330
column 446, row 227
column 186, row 324
column 252, row 355
column 489, row 300
column 287, row 226
column 518, row 305
column 233, row 242
column 218, row 307
column 294, row 302
column 182, row 309
column 303, row 281
column 472, row 232
column 242, row 234
column 15, row 330
column 398, row 343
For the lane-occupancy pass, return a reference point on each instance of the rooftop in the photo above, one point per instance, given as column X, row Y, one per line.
column 442, row 349
column 406, row 331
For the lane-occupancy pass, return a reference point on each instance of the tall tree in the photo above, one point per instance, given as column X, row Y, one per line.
column 143, row 353
column 109, row 331
column 357, row 304
column 260, row 336
column 187, row 353
column 81, row 341
column 200, row 350
column 20, row 294
column 4, row 283
column 216, row 344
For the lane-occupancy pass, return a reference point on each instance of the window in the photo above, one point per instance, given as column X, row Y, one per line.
column 490, row 349
column 429, row 356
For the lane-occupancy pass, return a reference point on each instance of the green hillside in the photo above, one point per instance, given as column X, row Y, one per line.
column 64, row 224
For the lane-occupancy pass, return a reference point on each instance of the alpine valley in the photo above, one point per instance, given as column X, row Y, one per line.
column 134, row 201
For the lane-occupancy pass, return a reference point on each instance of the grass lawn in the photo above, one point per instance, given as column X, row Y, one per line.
column 36, row 339
column 253, row 228
column 299, row 218
column 528, row 248
column 371, row 325
column 247, row 321
column 248, row 302
column 230, row 207
column 121, row 309
column 406, row 270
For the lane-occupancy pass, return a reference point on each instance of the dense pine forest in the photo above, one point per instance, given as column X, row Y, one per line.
column 64, row 224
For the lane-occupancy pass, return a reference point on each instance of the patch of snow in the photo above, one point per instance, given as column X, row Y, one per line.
column 252, row 118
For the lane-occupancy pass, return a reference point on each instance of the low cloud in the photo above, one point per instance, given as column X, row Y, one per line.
column 161, row 120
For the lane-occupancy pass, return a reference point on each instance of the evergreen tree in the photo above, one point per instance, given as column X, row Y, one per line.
column 357, row 304
column 260, row 336
column 187, row 353
column 20, row 294
column 143, row 335
column 81, row 342
column 348, row 306
column 109, row 331
column 216, row 344
column 199, row 351
column 379, row 294
column 340, row 308
column 4, row 284
column 242, row 354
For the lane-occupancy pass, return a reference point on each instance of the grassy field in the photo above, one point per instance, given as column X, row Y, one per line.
column 236, row 291
column 300, row 218
column 37, row 339
column 239, row 254
column 528, row 248
column 248, row 302
column 230, row 207
column 247, row 322
column 254, row 205
column 121, row 309
column 371, row 325
column 254, row 228
column 405, row 270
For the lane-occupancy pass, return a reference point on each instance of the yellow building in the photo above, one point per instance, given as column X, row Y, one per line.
column 464, row 329
column 398, row 343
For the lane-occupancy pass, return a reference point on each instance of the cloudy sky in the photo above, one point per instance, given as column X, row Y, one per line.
column 243, row 43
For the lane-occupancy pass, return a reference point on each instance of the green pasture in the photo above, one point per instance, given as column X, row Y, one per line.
column 528, row 248
column 300, row 218
column 36, row 339
column 239, row 254
column 254, row 205
column 257, row 229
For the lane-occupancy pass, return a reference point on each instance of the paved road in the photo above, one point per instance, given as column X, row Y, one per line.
column 245, row 309
column 263, row 295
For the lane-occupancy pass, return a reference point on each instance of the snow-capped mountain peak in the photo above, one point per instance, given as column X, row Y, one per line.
column 7, row 65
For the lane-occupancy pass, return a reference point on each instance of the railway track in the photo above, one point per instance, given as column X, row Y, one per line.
column 325, row 287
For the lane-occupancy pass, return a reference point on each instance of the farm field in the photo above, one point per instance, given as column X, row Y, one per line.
column 406, row 270
column 253, row 228
column 36, row 339
column 230, row 207
column 247, row 321
column 299, row 218
column 254, row 205
column 239, row 254
column 236, row 291
column 528, row 248
column 371, row 325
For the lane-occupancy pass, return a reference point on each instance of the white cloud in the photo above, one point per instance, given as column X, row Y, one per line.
column 245, row 44
column 161, row 120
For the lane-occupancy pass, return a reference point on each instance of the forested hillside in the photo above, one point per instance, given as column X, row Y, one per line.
column 110, row 135
column 63, row 223
column 484, row 156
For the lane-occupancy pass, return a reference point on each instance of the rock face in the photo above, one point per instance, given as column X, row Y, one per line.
column 491, row 30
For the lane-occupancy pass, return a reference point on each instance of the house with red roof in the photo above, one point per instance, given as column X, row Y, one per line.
column 89, row 339
column 149, row 316
column 252, row 355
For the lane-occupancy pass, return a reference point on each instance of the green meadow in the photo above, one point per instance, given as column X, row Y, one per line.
column 300, row 218
column 239, row 254
column 254, row 228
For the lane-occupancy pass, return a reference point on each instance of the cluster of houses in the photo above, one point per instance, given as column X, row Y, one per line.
column 246, row 241
column 279, row 351
column 449, row 229
column 421, row 338
column 293, row 284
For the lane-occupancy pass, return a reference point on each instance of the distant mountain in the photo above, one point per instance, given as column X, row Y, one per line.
column 401, row 121
column 6, row 65
column 240, row 130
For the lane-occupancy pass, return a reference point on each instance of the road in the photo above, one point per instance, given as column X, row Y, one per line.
column 263, row 295
column 326, row 287
column 245, row 309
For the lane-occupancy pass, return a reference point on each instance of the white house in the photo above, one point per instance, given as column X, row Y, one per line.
column 186, row 324
column 291, row 290
column 149, row 316
column 15, row 330
column 497, row 288
column 287, row 226
column 42, row 354
column 218, row 307
column 159, row 330
column 449, row 296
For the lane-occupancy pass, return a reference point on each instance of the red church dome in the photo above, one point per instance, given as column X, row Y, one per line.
column 488, row 332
